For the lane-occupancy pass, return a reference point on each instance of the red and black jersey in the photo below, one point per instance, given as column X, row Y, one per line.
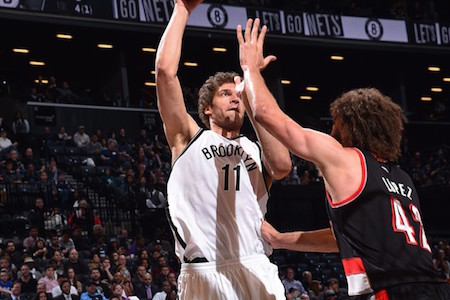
column 379, row 230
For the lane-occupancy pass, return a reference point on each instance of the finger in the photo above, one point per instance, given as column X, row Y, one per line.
column 255, row 30
column 262, row 35
column 248, row 30
column 240, row 38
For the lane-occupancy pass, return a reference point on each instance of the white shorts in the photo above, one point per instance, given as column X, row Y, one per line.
column 251, row 277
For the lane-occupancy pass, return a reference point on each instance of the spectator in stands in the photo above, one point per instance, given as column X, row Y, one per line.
column 95, row 261
column 53, row 246
column 36, row 274
column 306, row 280
column 161, row 274
column 10, row 175
column 172, row 277
column 5, row 144
column 72, row 278
column 47, row 188
column 30, row 175
column 63, row 189
column 94, row 147
column 75, row 263
column 16, row 291
column 119, row 291
column 109, row 157
column 101, row 285
column 68, row 292
column 5, row 281
column 146, row 289
column 57, row 264
column 91, row 292
column 80, row 241
column 27, row 281
column 66, row 95
column 123, row 239
column 6, row 264
column 83, row 217
column 39, row 251
column 63, row 138
column 21, row 129
column 315, row 291
column 81, row 138
column 291, row 282
column 155, row 198
column 66, row 243
column 441, row 264
column 341, row 293
column 105, row 269
column 37, row 216
column 57, row 221
column 51, row 93
column 48, row 279
column 166, row 288
column 52, row 171
column 14, row 255
column 29, row 158
column 34, row 96
column 30, row 242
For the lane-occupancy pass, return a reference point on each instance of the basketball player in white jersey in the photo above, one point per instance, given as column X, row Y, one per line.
column 218, row 187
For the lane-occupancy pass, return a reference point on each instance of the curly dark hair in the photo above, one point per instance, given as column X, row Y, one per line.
column 209, row 89
column 369, row 120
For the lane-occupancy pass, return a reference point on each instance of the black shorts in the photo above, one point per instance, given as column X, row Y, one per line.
column 416, row 291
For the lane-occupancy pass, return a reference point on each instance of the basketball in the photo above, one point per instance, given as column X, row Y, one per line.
column 191, row 4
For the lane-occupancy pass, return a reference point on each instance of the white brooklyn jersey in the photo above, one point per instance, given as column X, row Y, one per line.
column 217, row 198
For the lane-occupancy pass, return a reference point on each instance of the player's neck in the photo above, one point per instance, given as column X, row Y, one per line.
column 229, row 134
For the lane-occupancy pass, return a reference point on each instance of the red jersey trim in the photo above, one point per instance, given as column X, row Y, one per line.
column 381, row 295
column 353, row 266
column 360, row 188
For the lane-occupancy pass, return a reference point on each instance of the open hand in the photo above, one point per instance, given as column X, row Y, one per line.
column 251, row 46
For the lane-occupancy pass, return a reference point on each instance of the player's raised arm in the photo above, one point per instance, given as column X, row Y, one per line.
column 178, row 124
column 276, row 157
column 322, row 149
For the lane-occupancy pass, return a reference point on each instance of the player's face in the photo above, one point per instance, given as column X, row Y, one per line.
column 227, row 109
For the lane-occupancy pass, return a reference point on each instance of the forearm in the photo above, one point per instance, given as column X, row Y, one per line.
column 169, row 49
column 321, row 240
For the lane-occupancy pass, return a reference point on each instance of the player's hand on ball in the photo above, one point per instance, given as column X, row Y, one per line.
column 189, row 4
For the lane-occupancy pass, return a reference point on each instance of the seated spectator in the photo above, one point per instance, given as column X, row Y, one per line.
column 81, row 138
column 36, row 274
column 39, row 252
column 29, row 158
column 92, row 293
column 72, row 278
column 83, row 217
column 65, row 291
column 109, row 156
column 118, row 290
column 147, row 289
column 5, row 144
column 28, row 283
column 333, row 284
column 30, row 175
column 5, row 281
column 37, row 216
column 14, row 255
column 15, row 293
column 101, row 285
column 94, row 147
column 57, row 263
column 291, row 282
column 66, row 243
column 166, row 289
column 62, row 138
column 30, row 242
column 81, row 242
column 105, row 270
column 75, row 263
column 11, row 175
column 48, row 279
column 66, row 95
column 58, row 291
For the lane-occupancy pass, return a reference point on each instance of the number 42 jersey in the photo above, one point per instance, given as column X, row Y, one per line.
column 217, row 197
column 379, row 230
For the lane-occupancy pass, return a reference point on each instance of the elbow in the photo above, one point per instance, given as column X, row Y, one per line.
column 164, row 69
column 282, row 170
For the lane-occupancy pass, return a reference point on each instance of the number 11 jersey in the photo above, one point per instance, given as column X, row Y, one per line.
column 217, row 198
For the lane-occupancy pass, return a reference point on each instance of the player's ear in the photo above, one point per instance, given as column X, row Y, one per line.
column 208, row 110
